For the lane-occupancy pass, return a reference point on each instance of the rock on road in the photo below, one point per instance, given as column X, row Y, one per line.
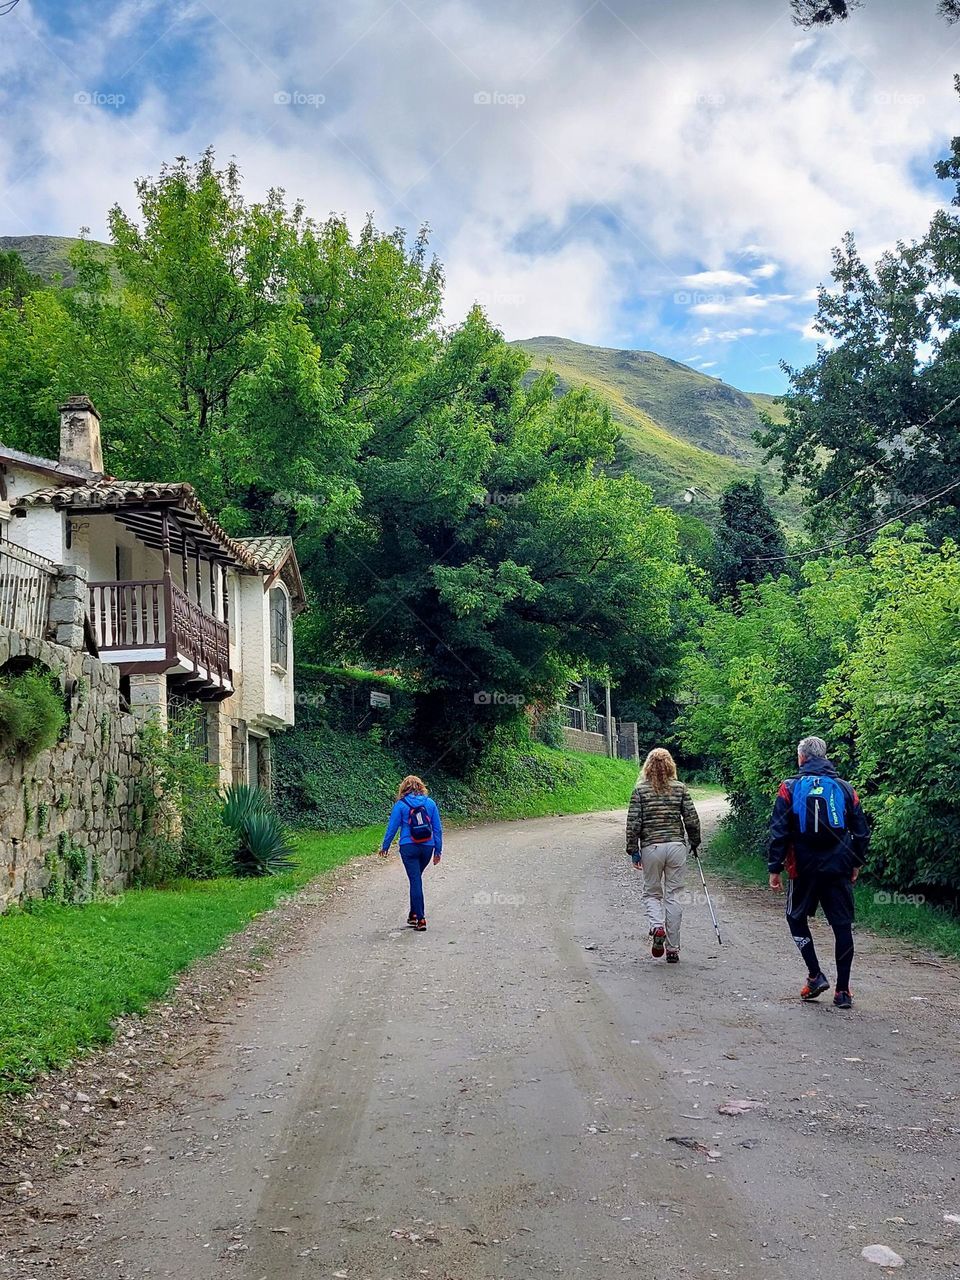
column 497, row 1097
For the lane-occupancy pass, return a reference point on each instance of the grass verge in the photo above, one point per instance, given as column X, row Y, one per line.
column 884, row 911
column 67, row 972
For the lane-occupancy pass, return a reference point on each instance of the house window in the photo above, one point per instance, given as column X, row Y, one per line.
column 279, row 627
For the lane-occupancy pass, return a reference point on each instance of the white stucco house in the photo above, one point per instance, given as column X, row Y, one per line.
column 188, row 613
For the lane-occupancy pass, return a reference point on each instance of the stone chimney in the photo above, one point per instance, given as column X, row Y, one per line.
column 80, row 435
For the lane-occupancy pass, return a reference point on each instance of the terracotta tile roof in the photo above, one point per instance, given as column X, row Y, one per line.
column 275, row 555
column 271, row 551
column 109, row 493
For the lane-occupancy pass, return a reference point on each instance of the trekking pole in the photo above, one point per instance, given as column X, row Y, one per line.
column 706, row 892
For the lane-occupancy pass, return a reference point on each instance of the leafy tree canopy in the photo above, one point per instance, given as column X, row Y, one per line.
column 452, row 521
column 748, row 539
column 872, row 426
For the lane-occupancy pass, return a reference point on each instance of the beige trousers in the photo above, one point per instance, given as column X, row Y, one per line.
column 663, row 871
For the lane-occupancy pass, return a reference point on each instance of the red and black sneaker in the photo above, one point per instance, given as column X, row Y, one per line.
column 411, row 919
column 843, row 999
column 815, row 987
column 421, row 925
column 659, row 936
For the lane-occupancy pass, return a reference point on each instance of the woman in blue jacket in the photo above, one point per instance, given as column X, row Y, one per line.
column 416, row 818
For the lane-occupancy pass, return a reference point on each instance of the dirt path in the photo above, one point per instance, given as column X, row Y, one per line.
column 495, row 1098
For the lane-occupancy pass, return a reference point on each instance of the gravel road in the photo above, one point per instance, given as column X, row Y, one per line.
column 499, row 1097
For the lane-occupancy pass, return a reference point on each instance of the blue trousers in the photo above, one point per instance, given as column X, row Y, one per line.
column 416, row 859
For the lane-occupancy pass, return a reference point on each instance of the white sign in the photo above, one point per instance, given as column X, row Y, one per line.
column 378, row 699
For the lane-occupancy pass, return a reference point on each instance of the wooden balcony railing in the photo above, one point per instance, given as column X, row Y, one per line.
column 26, row 583
column 157, row 614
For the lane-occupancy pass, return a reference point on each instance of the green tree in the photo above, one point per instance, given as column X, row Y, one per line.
column 895, row 696
column 821, row 13
column 748, row 539
column 754, row 673
column 492, row 552
column 872, row 426
column 15, row 280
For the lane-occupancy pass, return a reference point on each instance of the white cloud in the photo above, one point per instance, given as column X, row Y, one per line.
column 732, row 151
column 739, row 303
column 716, row 279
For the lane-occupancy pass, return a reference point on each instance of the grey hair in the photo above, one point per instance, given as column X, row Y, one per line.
column 812, row 748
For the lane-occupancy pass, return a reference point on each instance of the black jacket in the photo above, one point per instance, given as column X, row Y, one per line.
column 789, row 847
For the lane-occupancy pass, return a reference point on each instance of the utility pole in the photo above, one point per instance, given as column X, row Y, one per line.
column 606, row 694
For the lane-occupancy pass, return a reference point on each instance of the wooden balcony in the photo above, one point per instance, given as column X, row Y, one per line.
column 26, row 583
column 155, row 626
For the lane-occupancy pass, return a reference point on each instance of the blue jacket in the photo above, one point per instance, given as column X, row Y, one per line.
column 400, row 822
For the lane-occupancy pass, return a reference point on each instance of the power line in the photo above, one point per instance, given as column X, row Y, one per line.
column 873, row 466
column 8, row 7
column 863, row 533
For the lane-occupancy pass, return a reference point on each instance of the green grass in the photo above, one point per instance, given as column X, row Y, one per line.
column 49, row 256
column 679, row 426
column 67, row 972
column 918, row 923
column 593, row 783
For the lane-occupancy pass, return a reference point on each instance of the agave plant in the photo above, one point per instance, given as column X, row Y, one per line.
column 264, row 847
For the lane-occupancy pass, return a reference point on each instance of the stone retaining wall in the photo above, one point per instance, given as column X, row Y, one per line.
column 69, row 819
column 581, row 740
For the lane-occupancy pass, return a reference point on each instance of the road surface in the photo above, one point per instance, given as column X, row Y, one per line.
column 500, row 1097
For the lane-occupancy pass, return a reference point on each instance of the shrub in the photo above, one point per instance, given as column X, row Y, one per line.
column 263, row 847
column 184, row 832
column 32, row 713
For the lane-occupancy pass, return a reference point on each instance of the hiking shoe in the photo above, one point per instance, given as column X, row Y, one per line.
column 843, row 1000
column 659, row 936
column 421, row 925
column 815, row 987
column 673, row 957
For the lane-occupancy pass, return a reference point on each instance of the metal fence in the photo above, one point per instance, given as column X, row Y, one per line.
column 26, row 582
column 583, row 718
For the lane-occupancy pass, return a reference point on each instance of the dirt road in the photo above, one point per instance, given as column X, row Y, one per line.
column 497, row 1097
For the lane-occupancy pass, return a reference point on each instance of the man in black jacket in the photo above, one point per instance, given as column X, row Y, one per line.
column 819, row 833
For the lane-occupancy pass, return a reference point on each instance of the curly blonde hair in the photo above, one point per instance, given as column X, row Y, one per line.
column 660, row 769
column 412, row 786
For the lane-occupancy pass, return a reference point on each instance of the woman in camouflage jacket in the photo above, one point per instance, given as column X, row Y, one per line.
column 661, row 820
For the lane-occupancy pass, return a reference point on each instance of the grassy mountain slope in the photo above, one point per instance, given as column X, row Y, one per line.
column 46, row 256
column 680, row 427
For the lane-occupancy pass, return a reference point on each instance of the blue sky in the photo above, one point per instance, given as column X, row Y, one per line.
column 622, row 172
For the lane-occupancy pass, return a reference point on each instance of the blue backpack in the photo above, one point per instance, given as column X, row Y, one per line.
column 820, row 804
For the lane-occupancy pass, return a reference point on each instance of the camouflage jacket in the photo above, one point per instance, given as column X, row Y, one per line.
column 657, row 817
